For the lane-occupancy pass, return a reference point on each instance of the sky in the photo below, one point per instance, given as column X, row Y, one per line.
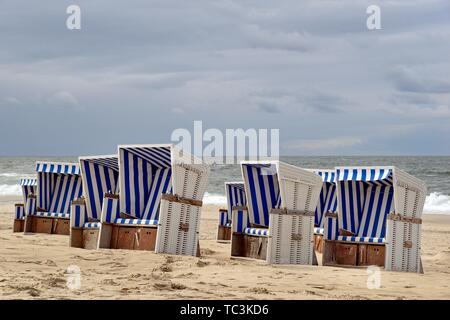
column 138, row 70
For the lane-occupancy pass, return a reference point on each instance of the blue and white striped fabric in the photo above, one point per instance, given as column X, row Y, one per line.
column 53, row 167
column 145, row 174
column 161, row 184
column 318, row 230
column 52, row 215
column 262, row 191
column 67, row 188
column 140, row 222
column 242, row 221
column 100, row 175
column 57, row 186
column 19, row 212
column 257, row 232
column 78, row 215
column 28, row 187
column 91, row 225
column 235, row 193
column 110, row 210
column 365, row 198
column 331, row 228
column 223, row 217
column 361, row 239
column 30, row 207
column 327, row 199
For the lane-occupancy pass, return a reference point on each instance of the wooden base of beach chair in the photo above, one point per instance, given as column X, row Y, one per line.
column 249, row 246
column 19, row 225
column 42, row 225
column 133, row 238
column 90, row 238
column 105, row 236
column 84, row 238
column 371, row 255
column 61, row 226
column 29, row 224
column 76, row 237
column 346, row 254
column 318, row 243
column 223, row 233
column 353, row 254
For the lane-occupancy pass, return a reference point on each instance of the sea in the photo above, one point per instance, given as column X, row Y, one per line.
column 434, row 170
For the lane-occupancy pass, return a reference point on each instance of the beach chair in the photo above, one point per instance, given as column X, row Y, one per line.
column 159, row 202
column 281, row 204
column 49, row 210
column 235, row 194
column 326, row 205
column 378, row 220
column 28, row 187
column 100, row 178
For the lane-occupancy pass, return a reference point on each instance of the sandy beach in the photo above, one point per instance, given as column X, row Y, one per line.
column 34, row 267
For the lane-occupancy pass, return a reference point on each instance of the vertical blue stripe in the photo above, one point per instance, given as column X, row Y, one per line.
column 127, row 182
column 262, row 191
column 137, row 195
column 253, row 194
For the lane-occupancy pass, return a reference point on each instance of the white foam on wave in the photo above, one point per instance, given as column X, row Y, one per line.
column 10, row 190
column 211, row 198
column 437, row 202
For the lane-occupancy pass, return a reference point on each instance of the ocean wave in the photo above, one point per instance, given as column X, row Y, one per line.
column 437, row 202
column 10, row 190
column 211, row 198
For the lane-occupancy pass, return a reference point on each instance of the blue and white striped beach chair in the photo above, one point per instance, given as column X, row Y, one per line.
column 140, row 218
column 49, row 210
column 28, row 187
column 281, row 201
column 235, row 194
column 327, row 204
column 100, row 177
column 378, row 219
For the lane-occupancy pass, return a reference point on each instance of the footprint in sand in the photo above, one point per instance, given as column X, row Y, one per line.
column 109, row 282
column 201, row 263
column 260, row 290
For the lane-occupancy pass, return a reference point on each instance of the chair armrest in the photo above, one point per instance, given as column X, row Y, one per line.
column 239, row 219
column 223, row 217
column 110, row 208
column 30, row 207
column 78, row 214
column 19, row 211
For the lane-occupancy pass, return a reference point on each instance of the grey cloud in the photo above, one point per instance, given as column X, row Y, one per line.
column 136, row 72
column 406, row 79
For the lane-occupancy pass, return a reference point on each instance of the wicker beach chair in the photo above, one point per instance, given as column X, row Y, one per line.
column 28, row 187
column 281, row 201
column 100, row 177
column 49, row 210
column 235, row 194
column 378, row 220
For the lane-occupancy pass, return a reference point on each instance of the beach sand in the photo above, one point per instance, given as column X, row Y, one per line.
column 34, row 267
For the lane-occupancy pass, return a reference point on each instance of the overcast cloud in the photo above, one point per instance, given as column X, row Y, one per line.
column 139, row 69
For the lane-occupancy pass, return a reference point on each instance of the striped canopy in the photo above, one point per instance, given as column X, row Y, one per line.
column 145, row 174
column 100, row 175
column 57, row 185
column 235, row 196
column 54, row 167
column 262, row 191
column 28, row 182
column 28, row 187
column 327, row 199
column 365, row 198
column 156, row 156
